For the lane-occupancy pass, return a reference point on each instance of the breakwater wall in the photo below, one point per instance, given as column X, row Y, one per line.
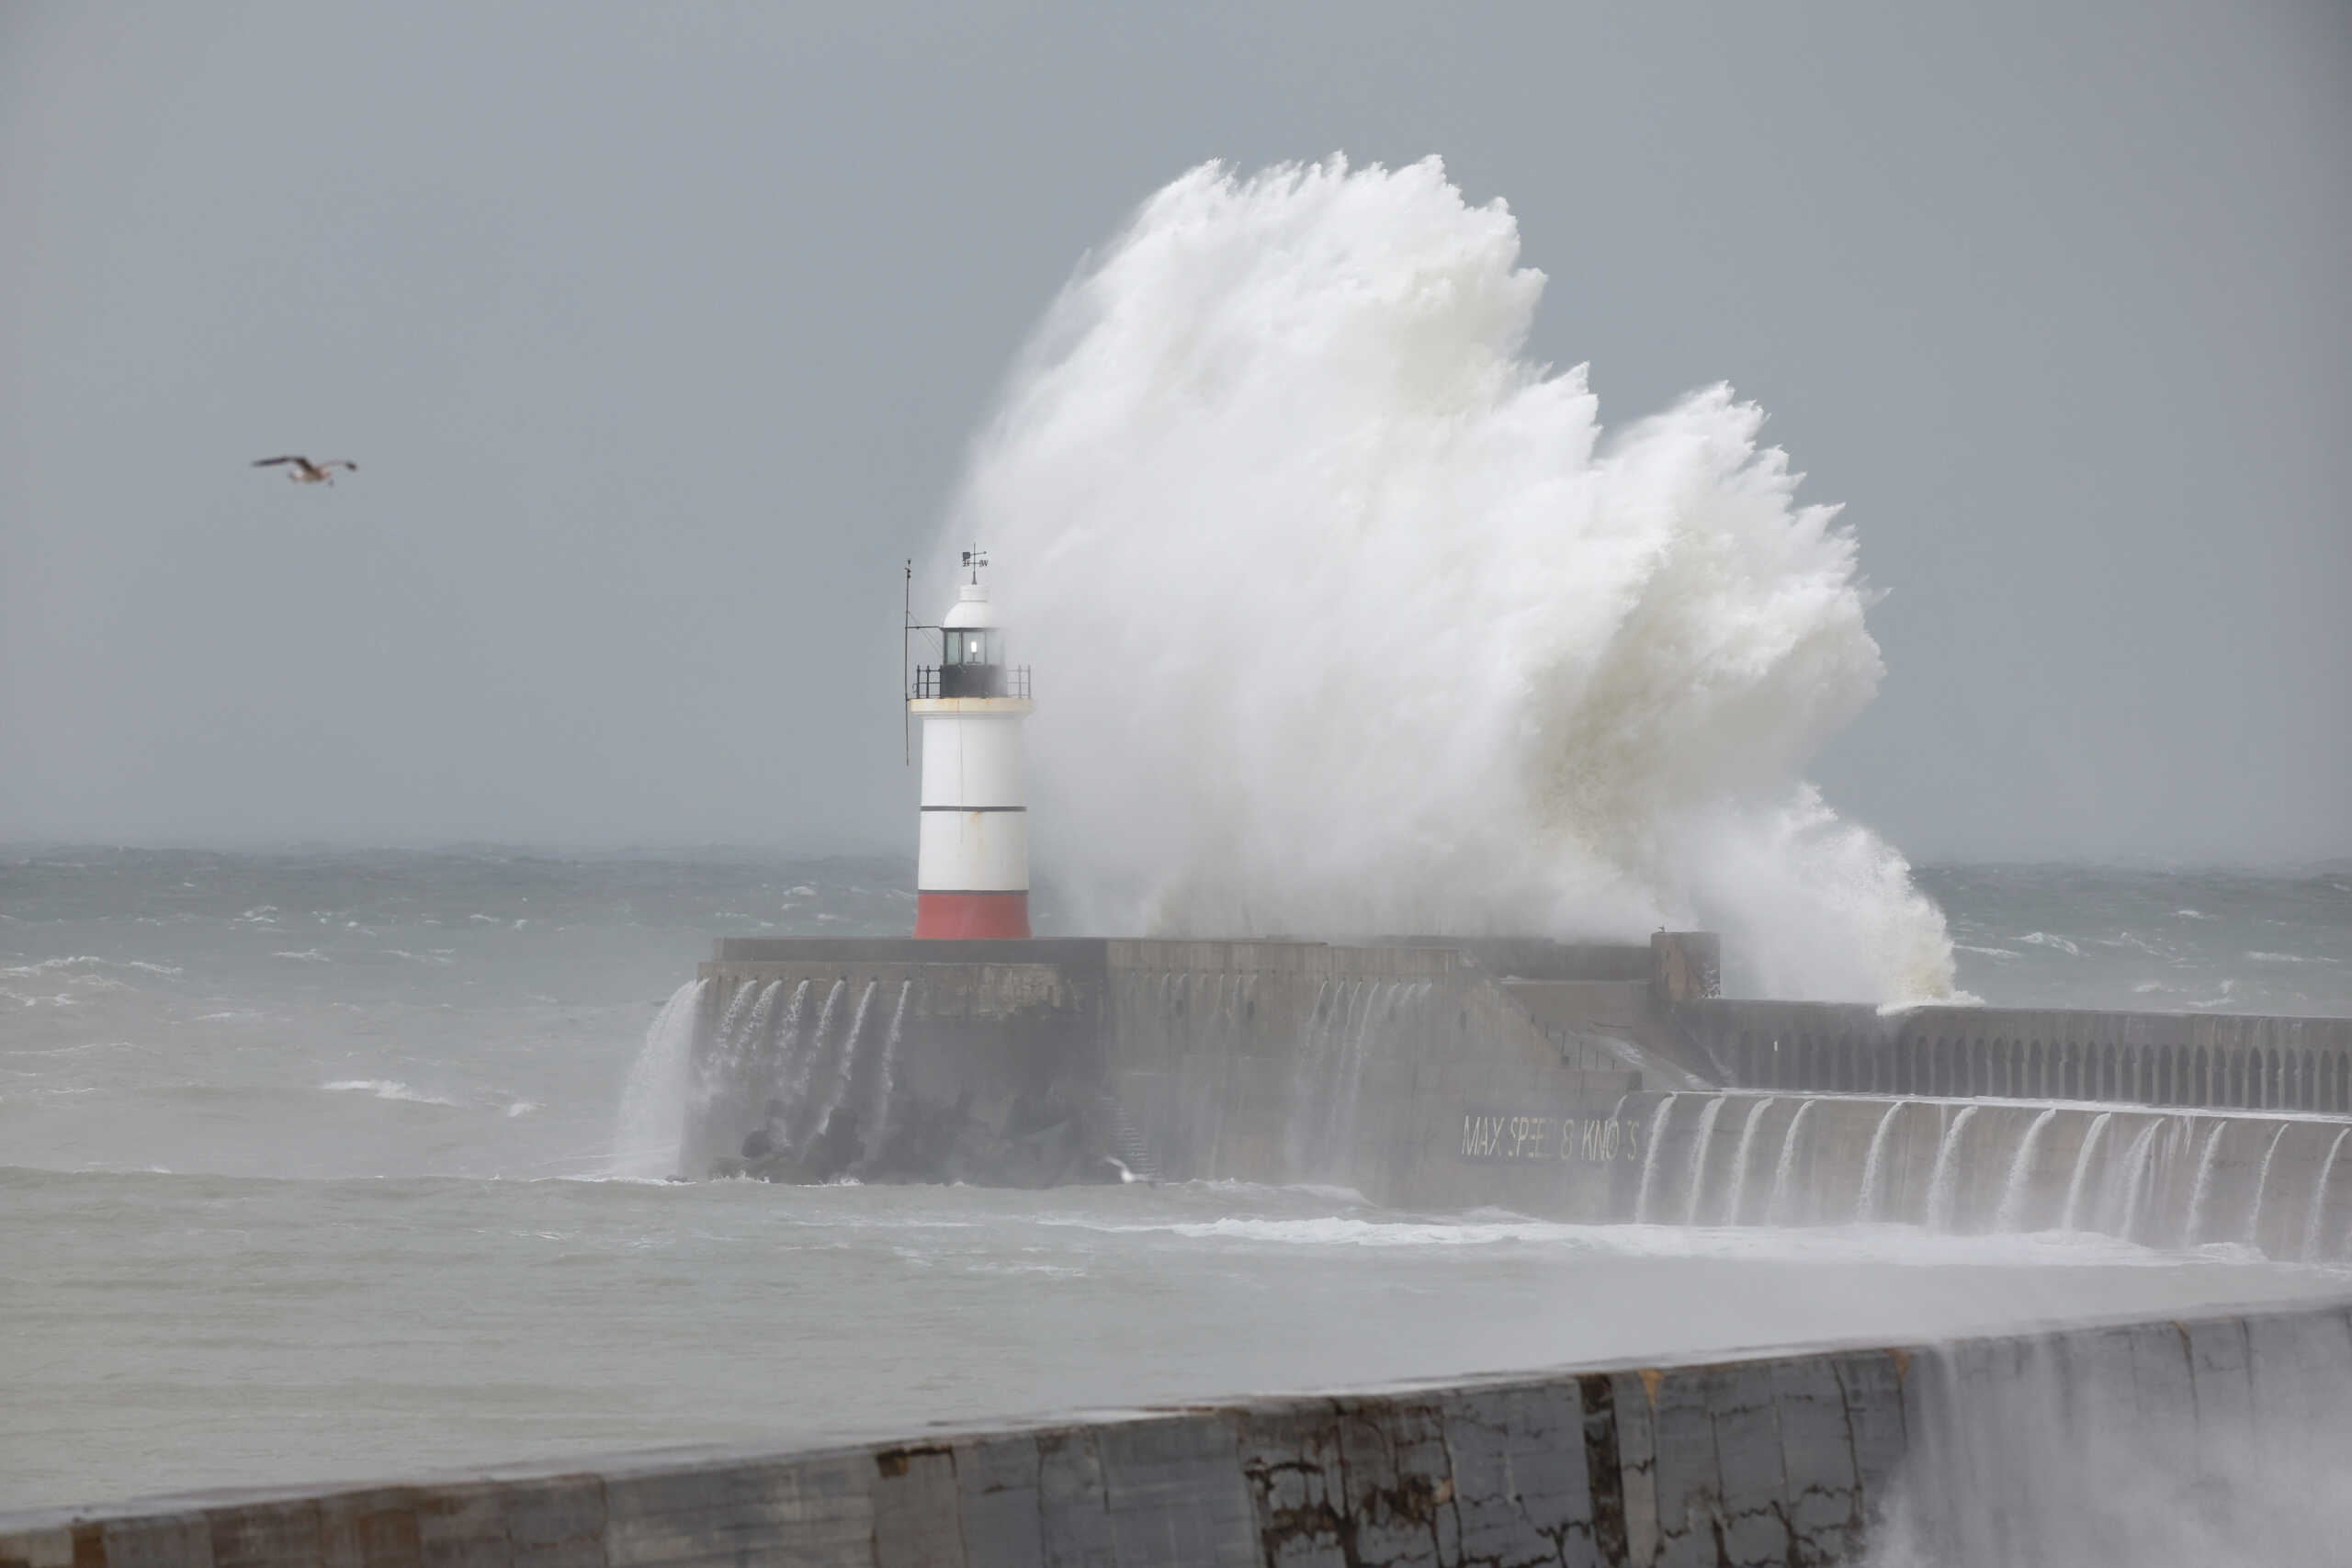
column 2278, row 1184
column 2272, row 1183
column 1594, row 1084
column 1039, row 1062
column 2148, row 1058
column 2075, row 1446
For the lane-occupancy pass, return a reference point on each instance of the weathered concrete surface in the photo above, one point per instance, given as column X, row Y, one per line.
column 985, row 1071
column 1036, row 1063
column 1800, row 1458
column 1279, row 1062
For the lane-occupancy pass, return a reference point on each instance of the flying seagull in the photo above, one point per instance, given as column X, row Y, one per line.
column 306, row 472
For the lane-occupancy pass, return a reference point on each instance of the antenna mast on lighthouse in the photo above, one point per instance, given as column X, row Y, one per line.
column 972, row 845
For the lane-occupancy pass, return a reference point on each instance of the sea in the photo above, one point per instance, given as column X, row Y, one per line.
column 308, row 1172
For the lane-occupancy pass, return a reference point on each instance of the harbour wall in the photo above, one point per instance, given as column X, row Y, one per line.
column 1580, row 1084
column 2274, row 1183
column 2040, row 1448
column 869, row 1062
column 2150, row 1058
column 1040, row 1062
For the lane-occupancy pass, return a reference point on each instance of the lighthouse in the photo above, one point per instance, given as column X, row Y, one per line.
column 972, row 848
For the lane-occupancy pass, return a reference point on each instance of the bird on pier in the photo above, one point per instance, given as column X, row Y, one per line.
column 306, row 472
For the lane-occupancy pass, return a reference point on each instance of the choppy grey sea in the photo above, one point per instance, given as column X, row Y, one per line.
column 304, row 1175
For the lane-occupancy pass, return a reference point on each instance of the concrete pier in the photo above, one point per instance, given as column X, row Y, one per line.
column 2217, row 1060
column 1991, row 1449
column 1590, row 1083
column 1040, row 1062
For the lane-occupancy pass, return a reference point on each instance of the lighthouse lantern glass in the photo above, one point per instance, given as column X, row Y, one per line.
column 975, row 647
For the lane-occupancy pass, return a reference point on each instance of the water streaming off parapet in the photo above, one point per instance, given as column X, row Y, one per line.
column 2201, row 1184
column 877, row 1119
column 818, row 1122
column 1736, row 1205
column 2109, row 1449
column 2160, row 1179
column 2018, row 1190
column 1943, row 1180
column 808, row 1071
column 2070, row 1216
column 654, row 1104
column 795, row 1119
column 2315, row 1208
column 1351, row 1025
column 1867, row 1203
column 1776, row 1204
column 1699, row 1146
column 1660, row 1121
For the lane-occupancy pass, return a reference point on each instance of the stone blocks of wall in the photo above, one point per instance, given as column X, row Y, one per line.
column 1798, row 1458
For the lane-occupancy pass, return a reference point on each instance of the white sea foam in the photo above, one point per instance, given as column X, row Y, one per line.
column 1870, row 1242
column 2044, row 939
column 86, row 961
column 384, row 1089
column 1353, row 620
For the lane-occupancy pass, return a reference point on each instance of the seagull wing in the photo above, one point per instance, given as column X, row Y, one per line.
column 273, row 462
column 340, row 463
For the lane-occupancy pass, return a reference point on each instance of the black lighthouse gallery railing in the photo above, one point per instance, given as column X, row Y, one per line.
column 971, row 681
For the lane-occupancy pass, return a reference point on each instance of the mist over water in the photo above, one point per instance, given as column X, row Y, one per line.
column 1348, row 618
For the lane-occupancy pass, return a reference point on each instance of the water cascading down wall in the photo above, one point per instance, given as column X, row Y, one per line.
column 2166, row 1178
column 1575, row 1083
column 1042, row 1062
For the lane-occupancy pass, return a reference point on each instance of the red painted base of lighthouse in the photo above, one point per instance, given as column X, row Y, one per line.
column 969, row 917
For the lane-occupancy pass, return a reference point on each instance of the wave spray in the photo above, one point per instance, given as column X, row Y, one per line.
column 1356, row 621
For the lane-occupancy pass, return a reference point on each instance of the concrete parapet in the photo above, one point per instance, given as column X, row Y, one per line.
column 2149, row 1058
column 1814, row 1457
column 1413, row 1075
column 2276, row 1184
column 1025, row 1063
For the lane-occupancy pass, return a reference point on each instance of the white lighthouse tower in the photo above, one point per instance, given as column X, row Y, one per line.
column 972, row 853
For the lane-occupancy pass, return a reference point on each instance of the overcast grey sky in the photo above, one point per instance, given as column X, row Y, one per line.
column 660, row 333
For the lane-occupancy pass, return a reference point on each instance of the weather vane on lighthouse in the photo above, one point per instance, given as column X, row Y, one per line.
column 972, row 845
